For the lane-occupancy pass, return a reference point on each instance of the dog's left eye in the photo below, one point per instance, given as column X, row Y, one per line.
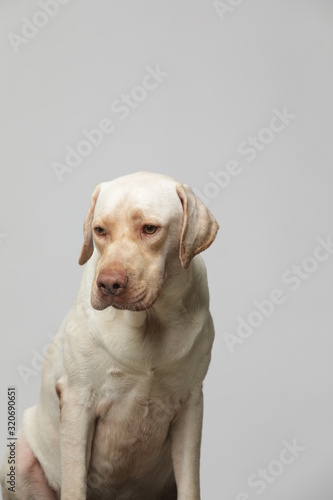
column 149, row 229
column 99, row 230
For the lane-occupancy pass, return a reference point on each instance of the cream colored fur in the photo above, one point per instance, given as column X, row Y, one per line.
column 120, row 410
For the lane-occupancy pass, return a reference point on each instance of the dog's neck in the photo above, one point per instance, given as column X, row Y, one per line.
column 178, row 294
column 169, row 328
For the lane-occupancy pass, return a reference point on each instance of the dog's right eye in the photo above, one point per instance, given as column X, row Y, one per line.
column 99, row 230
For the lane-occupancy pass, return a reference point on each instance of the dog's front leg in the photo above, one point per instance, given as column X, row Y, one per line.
column 75, row 422
column 185, row 447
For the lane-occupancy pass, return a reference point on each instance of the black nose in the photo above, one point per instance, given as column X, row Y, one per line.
column 112, row 282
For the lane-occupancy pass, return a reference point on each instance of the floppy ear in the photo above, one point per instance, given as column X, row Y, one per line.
column 199, row 226
column 88, row 245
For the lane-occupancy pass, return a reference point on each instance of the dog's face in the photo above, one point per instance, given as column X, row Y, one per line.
column 145, row 227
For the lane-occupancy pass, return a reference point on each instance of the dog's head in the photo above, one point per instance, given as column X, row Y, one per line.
column 145, row 227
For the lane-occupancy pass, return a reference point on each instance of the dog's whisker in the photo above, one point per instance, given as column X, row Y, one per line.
column 145, row 307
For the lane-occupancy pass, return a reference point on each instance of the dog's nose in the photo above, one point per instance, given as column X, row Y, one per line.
column 112, row 282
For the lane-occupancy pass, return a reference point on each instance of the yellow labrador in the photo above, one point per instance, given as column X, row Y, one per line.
column 120, row 409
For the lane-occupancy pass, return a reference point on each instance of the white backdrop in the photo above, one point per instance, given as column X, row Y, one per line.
column 235, row 99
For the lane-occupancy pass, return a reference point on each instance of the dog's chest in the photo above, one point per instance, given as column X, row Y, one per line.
column 133, row 416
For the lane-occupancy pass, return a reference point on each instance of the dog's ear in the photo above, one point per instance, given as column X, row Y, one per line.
column 88, row 245
column 199, row 226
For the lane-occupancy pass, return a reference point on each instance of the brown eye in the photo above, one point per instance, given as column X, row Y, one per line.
column 149, row 229
column 99, row 230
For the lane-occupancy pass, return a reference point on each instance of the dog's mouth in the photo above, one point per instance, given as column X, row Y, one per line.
column 139, row 303
column 134, row 306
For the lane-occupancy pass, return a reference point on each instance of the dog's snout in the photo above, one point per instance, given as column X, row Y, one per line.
column 112, row 282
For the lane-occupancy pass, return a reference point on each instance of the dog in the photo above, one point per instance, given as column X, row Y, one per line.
column 120, row 410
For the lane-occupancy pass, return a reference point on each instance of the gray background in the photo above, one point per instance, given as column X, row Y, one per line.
column 226, row 75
